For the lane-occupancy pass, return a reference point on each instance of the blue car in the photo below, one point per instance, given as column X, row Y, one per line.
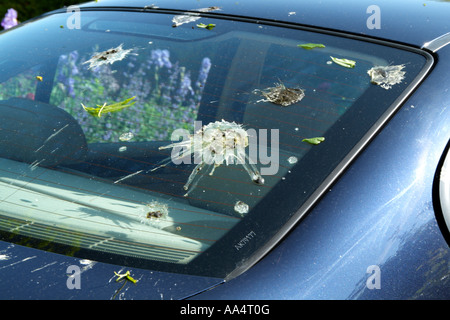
column 223, row 150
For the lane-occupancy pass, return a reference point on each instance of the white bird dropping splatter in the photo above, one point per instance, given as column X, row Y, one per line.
column 241, row 207
column 108, row 56
column 217, row 143
column 292, row 160
column 387, row 76
column 126, row 136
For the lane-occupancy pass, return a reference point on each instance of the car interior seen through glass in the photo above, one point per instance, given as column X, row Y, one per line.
column 178, row 144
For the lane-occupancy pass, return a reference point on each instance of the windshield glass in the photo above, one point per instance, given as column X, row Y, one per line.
column 177, row 143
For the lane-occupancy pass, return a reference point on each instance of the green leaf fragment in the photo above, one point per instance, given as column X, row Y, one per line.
column 208, row 26
column 344, row 62
column 97, row 111
column 315, row 140
column 309, row 46
column 126, row 276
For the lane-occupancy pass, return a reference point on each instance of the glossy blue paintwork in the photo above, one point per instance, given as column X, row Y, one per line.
column 380, row 213
column 28, row 273
column 409, row 21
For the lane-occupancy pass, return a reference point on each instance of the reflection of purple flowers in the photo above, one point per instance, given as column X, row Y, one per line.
column 185, row 86
column 203, row 74
column 166, row 95
column 161, row 58
column 65, row 75
column 10, row 19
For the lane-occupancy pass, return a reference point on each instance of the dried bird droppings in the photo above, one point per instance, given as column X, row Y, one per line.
column 315, row 140
column 191, row 16
column 344, row 62
column 182, row 19
column 309, row 46
column 156, row 210
column 292, row 160
column 387, row 76
column 214, row 144
column 281, row 95
column 241, row 207
column 97, row 111
column 108, row 57
column 127, row 136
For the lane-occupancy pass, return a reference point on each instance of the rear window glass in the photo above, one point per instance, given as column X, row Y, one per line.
column 178, row 144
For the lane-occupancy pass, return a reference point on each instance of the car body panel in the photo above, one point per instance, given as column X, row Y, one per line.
column 420, row 22
column 28, row 273
column 380, row 213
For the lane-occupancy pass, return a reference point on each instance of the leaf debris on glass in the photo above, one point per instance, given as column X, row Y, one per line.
column 344, row 62
column 386, row 76
column 191, row 16
column 315, row 140
column 208, row 26
column 108, row 57
column 309, row 46
column 281, row 95
column 97, row 111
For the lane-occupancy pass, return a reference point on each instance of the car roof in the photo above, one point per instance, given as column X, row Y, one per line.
column 413, row 22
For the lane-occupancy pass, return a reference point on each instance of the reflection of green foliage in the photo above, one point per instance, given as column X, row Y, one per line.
column 22, row 86
column 165, row 97
column 46, row 245
column 28, row 9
